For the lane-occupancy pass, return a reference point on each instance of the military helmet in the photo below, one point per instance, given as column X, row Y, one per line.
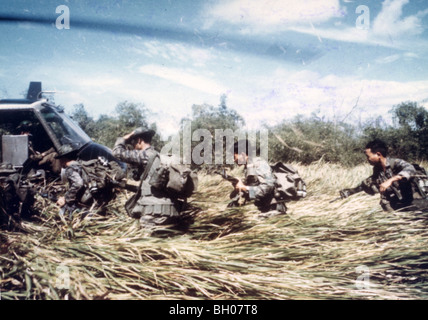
column 66, row 150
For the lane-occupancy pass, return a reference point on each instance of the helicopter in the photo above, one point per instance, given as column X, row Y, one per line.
column 37, row 122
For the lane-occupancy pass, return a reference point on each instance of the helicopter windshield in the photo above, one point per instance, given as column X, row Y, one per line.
column 64, row 129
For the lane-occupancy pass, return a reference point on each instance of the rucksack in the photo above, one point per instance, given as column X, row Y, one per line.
column 176, row 179
column 289, row 185
column 420, row 181
column 100, row 177
column 174, row 182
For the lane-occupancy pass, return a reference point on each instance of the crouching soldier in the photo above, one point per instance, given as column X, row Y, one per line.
column 259, row 182
column 152, row 205
column 91, row 183
column 67, row 156
column 395, row 179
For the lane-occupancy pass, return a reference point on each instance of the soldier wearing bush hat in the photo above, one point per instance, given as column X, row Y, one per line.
column 151, row 206
column 140, row 139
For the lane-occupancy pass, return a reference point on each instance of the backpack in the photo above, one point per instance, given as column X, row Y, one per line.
column 176, row 179
column 100, row 177
column 171, row 179
column 289, row 185
column 419, row 181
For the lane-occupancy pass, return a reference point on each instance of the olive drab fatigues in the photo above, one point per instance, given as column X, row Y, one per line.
column 153, row 206
column 261, row 185
column 401, row 194
column 73, row 174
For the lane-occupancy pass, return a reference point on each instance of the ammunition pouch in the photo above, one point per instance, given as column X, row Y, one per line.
column 151, row 205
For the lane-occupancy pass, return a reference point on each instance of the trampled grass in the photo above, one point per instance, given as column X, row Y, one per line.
column 349, row 249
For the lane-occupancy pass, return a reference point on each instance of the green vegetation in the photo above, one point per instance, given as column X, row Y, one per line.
column 301, row 139
column 128, row 116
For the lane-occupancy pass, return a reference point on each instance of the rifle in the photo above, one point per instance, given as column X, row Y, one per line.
column 127, row 186
column 238, row 198
column 371, row 188
column 225, row 176
column 345, row 193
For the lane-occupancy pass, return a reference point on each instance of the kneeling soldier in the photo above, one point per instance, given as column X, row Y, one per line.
column 393, row 178
column 259, row 181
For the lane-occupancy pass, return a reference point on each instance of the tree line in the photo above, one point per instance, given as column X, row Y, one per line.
column 303, row 139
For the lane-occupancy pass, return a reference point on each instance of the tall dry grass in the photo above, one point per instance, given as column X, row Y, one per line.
column 349, row 249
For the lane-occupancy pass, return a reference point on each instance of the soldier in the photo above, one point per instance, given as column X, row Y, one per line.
column 391, row 178
column 259, row 180
column 153, row 206
column 46, row 159
column 73, row 173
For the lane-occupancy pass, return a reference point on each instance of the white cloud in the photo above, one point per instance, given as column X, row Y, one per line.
column 395, row 57
column 272, row 15
column 388, row 59
column 184, row 78
column 390, row 23
column 173, row 52
column 349, row 34
column 277, row 98
column 389, row 28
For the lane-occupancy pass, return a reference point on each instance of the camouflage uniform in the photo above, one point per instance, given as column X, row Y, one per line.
column 400, row 195
column 154, row 206
column 261, row 186
column 73, row 174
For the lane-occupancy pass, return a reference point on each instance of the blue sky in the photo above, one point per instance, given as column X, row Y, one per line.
column 273, row 59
